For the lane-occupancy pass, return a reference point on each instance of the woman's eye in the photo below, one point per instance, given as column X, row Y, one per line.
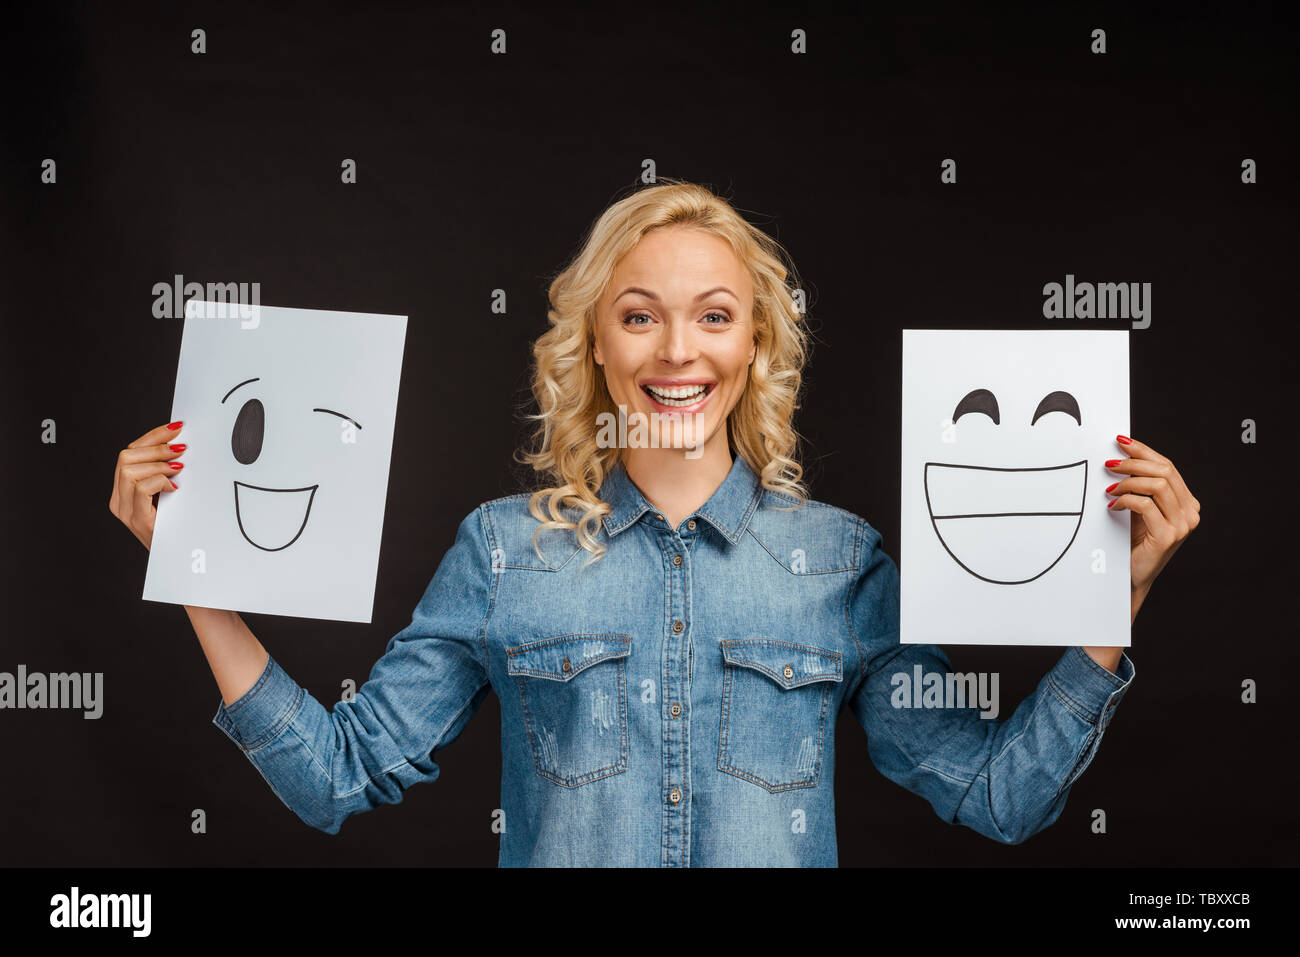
column 631, row 319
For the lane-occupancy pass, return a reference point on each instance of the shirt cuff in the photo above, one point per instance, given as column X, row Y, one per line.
column 1088, row 689
column 263, row 711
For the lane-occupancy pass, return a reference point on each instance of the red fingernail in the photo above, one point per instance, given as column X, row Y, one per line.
column 1112, row 503
column 1124, row 439
column 178, row 447
column 1112, row 487
column 178, row 466
column 174, row 485
column 1111, row 463
column 175, row 425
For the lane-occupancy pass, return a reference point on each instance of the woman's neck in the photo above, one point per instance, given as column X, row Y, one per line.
column 675, row 484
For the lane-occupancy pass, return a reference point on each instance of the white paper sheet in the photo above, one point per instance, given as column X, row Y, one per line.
column 280, row 508
column 1006, row 537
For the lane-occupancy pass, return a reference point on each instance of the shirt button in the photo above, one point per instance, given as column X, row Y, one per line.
column 677, row 560
column 677, row 627
column 676, row 709
column 566, row 667
column 691, row 525
column 787, row 671
column 675, row 795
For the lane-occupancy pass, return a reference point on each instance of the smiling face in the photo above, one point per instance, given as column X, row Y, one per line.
column 675, row 334
column 974, row 507
column 269, row 518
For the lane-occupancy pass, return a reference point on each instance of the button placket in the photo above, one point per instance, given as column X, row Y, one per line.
column 676, row 694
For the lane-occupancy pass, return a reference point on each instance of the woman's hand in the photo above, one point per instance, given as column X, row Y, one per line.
column 1164, row 513
column 144, row 469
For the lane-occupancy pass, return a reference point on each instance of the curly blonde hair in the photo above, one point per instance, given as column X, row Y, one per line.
column 569, row 386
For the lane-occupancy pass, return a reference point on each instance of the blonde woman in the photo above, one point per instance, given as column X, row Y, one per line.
column 671, row 625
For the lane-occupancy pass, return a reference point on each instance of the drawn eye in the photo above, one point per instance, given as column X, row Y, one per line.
column 980, row 400
column 1057, row 402
column 246, row 436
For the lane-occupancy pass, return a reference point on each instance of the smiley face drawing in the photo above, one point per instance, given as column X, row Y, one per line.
column 280, row 509
column 271, row 519
column 976, row 509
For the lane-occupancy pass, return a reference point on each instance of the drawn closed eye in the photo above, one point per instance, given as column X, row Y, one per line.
column 340, row 415
column 978, row 400
column 1058, row 402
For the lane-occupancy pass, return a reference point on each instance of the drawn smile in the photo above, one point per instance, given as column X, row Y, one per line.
column 272, row 518
column 1006, row 526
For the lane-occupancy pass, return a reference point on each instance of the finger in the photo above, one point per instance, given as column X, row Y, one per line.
column 133, row 474
column 1157, row 526
column 1150, row 462
column 150, row 453
column 159, row 436
column 120, row 500
column 1159, row 489
column 1140, row 450
column 146, row 453
column 131, row 477
column 144, row 512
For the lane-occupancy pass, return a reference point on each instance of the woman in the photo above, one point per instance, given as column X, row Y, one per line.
column 669, row 696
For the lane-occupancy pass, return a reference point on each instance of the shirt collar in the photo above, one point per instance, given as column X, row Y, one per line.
column 728, row 509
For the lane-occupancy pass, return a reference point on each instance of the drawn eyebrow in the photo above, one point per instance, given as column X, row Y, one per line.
column 340, row 415
column 1058, row 402
column 245, row 382
column 978, row 400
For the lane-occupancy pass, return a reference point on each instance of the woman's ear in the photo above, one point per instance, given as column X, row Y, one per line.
column 595, row 354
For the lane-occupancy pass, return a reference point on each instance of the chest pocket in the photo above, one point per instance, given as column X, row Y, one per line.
column 776, row 699
column 573, row 692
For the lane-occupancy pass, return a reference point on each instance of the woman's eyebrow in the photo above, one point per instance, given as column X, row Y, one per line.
column 340, row 415
column 245, row 382
column 650, row 295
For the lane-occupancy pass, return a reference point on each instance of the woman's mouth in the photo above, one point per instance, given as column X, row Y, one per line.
column 680, row 398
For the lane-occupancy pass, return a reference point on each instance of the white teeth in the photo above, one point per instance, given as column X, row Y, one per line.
column 667, row 395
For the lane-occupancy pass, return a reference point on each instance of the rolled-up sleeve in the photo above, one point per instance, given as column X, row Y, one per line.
column 326, row 765
column 1007, row 779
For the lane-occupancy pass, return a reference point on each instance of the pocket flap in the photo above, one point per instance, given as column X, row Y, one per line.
column 787, row 663
column 562, row 658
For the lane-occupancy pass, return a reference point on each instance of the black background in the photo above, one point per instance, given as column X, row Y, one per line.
column 478, row 171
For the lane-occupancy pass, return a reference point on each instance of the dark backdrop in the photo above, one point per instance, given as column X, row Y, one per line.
column 479, row 171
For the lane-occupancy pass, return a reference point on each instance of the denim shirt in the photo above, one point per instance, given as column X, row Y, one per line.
column 675, row 702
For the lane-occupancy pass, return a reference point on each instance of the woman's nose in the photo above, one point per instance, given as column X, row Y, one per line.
column 677, row 345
